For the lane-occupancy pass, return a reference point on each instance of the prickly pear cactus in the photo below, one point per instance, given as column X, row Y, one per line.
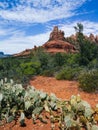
column 74, row 114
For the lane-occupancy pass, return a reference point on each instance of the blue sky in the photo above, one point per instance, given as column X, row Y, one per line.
column 25, row 23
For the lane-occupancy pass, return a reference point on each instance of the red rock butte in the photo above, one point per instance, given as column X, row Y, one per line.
column 57, row 43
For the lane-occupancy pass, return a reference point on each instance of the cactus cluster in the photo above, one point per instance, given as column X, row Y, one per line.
column 21, row 103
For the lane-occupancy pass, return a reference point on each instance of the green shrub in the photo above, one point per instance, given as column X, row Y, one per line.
column 30, row 68
column 88, row 81
column 48, row 73
column 93, row 64
column 69, row 73
column 64, row 74
column 59, row 59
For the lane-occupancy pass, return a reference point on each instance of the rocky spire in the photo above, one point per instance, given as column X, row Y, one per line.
column 56, row 34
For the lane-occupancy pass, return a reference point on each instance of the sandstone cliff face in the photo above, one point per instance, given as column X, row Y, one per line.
column 57, row 43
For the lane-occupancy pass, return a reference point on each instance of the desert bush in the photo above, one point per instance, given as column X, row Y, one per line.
column 88, row 52
column 72, row 60
column 43, row 58
column 65, row 74
column 30, row 68
column 93, row 64
column 88, row 81
column 59, row 59
column 48, row 73
column 69, row 73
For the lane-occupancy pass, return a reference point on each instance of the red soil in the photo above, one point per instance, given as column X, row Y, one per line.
column 29, row 126
column 62, row 89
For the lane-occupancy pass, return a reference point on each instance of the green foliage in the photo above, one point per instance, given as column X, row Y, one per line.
column 69, row 73
column 20, row 69
column 88, row 52
column 93, row 64
column 79, row 28
column 43, row 57
column 87, row 49
column 59, row 59
column 72, row 60
column 88, row 80
column 30, row 68
column 48, row 73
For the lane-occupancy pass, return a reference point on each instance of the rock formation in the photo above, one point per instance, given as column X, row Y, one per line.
column 24, row 53
column 56, row 34
column 57, row 43
column 96, row 38
column 92, row 38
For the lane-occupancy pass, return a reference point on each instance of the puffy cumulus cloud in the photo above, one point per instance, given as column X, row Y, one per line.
column 39, row 11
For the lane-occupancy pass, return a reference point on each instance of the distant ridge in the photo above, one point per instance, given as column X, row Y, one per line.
column 2, row 55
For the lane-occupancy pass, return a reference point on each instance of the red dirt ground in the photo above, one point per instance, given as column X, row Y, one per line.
column 62, row 89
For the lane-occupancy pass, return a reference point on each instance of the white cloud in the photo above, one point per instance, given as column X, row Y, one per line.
column 10, row 31
column 2, row 32
column 41, row 11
